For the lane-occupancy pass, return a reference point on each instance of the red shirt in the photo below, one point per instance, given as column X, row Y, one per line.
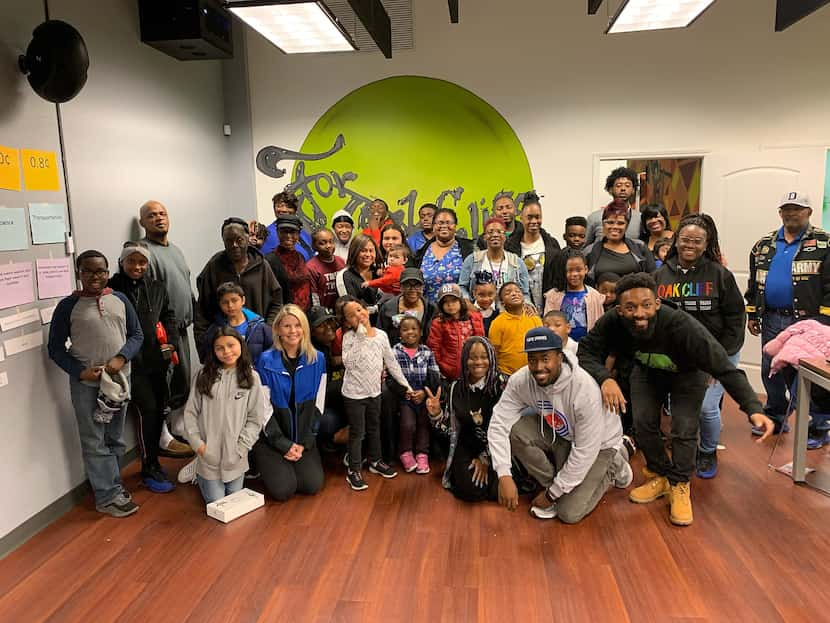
column 323, row 275
column 375, row 233
column 390, row 282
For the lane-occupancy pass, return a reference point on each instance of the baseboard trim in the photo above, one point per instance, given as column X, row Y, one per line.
column 51, row 513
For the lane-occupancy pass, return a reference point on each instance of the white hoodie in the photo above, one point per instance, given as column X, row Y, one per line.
column 571, row 407
column 341, row 249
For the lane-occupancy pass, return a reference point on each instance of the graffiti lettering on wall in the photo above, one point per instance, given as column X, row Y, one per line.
column 409, row 140
column 310, row 189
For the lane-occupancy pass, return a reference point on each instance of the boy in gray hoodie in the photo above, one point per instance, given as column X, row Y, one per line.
column 570, row 423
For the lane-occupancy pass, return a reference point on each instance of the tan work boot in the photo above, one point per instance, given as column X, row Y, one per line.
column 647, row 473
column 654, row 488
column 681, row 504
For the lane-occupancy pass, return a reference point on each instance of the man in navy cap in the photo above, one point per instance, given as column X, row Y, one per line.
column 570, row 425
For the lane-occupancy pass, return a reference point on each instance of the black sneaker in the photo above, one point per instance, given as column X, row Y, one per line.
column 119, row 507
column 707, row 464
column 381, row 468
column 355, row 480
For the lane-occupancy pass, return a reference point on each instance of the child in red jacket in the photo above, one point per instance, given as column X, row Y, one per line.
column 451, row 328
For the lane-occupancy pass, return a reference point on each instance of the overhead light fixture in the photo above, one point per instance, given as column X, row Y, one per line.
column 634, row 15
column 294, row 26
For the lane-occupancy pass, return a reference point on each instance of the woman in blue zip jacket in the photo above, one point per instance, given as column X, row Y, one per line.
column 286, row 453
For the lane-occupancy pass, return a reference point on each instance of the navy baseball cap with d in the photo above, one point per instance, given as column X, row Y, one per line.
column 542, row 338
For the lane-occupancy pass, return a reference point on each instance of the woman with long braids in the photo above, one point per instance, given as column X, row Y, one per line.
column 462, row 410
column 694, row 277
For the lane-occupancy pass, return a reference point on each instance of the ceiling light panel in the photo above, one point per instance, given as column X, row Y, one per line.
column 299, row 28
column 637, row 15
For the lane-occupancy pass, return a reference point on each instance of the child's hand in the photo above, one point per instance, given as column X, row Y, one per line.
column 115, row 364
column 91, row 374
column 529, row 310
column 433, row 402
column 201, row 450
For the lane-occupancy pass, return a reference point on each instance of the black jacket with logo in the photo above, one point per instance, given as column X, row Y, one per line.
column 679, row 344
column 709, row 293
column 810, row 272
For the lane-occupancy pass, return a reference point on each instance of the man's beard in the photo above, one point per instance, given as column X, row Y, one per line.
column 641, row 334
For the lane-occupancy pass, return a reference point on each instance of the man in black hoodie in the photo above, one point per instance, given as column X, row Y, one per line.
column 672, row 354
column 237, row 263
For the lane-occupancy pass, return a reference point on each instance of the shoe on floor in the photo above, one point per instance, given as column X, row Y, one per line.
column 187, row 474
column 548, row 512
column 777, row 430
column 155, row 479
column 422, row 461
column 815, row 442
column 653, row 488
column 647, row 473
column 177, row 450
column 630, row 446
column 119, row 507
column 681, row 504
column 355, row 480
column 408, row 462
column 346, row 460
column 707, row 464
column 380, row 468
column 623, row 476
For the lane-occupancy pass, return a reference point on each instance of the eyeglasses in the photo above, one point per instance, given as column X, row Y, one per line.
column 494, row 234
column 698, row 242
column 443, row 224
column 95, row 273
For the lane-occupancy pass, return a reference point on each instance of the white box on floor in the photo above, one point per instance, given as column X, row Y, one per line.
column 235, row 505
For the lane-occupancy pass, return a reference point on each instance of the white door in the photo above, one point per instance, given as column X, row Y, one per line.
column 741, row 192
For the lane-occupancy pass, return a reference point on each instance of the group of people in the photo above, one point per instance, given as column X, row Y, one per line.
column 527, row 366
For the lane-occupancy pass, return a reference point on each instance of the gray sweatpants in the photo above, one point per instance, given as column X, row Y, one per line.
column 535, row 452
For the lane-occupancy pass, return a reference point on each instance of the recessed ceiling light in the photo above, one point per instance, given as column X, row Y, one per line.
column 634, row 15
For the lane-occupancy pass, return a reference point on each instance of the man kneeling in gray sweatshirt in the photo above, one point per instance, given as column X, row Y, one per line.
column 570, row 425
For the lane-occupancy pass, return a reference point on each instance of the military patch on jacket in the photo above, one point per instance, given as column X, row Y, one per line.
column 478, row 419
column 806, row 267
column 761, row 277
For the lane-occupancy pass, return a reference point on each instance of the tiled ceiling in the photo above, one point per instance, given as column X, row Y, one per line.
column 400, row 16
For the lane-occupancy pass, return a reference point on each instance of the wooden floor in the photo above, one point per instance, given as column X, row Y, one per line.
column 406, row 550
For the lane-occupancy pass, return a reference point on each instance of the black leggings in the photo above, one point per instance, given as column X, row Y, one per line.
column 283, row 478
column 149, row 398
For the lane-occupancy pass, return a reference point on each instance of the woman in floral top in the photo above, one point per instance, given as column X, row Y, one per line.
column 441, row 261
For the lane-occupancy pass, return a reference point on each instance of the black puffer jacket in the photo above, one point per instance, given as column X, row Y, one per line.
column 149, row 298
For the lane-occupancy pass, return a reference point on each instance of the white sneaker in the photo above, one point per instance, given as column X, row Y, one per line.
column 187, row 474
column 622, row 469
column 548, row 512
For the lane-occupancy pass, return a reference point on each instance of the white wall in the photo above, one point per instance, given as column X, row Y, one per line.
column 727, row 86
column 144, row 126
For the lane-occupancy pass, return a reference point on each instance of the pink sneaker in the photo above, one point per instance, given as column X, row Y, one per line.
column 422, row 461
column 408, row 462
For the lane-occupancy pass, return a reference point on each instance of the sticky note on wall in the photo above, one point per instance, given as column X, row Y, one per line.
column 9, row 168
column 40, row 169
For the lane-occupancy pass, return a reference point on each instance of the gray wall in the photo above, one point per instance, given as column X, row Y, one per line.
column 145, row 126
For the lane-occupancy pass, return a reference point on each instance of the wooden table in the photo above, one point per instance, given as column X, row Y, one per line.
column 809, row 371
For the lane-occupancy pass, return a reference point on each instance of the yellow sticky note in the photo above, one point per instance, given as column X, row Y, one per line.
column 40, row 170
column 9, row 168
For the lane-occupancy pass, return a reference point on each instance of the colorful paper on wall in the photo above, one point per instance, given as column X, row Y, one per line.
column 48, row 223
column 40, row 169
column 16, row 284
column 13, row 229
column 9, row 168
column 54, row 278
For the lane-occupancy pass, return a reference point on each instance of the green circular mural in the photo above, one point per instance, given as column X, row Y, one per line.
column 410, row 140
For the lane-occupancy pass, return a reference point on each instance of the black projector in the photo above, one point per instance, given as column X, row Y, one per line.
column 189, row 30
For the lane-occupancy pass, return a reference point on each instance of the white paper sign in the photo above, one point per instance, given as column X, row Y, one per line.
column 2, row 356
column 46, row 314
column 4, row 379
column 18, row 320
column 25, row 342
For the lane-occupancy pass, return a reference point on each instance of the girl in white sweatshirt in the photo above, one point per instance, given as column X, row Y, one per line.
column 365, row 351
column 222, row 417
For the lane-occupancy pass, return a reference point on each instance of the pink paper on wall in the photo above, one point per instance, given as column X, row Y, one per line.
column 16, row 284
column 54, row 278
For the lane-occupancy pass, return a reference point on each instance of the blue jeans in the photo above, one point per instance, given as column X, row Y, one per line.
column 213, row 490
column 710, row 412
column 102, row 445
column 777, row 407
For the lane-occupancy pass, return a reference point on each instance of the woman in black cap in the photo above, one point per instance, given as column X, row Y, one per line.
column 410, row 302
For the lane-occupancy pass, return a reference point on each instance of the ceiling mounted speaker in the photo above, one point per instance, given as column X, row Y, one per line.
column 56, row 61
